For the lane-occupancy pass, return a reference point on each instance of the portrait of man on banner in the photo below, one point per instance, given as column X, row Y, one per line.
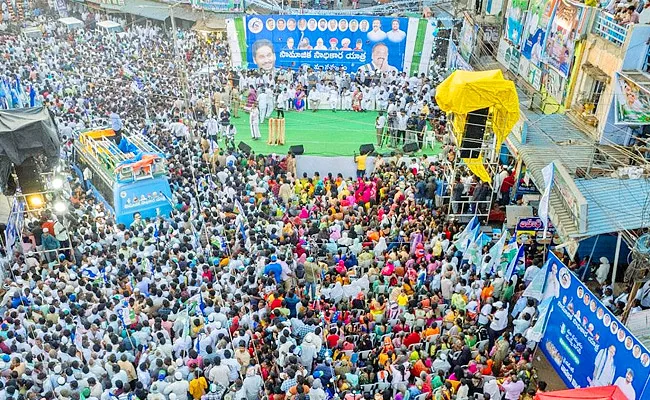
column 561, row 37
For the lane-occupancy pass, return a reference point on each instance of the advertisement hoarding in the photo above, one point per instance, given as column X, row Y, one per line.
column 352, row 42
column 562, row 35
column 585, row 343
column 515, row 16
column 540, row 13
column 468, row 35
column 455, row 61
column 632, row 102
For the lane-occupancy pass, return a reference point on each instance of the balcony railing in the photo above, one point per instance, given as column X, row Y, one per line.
column 608, row 27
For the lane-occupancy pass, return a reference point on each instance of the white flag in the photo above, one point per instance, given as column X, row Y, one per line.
column 547, row 172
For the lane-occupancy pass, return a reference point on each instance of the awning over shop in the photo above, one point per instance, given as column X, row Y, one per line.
column 147, row 9
column 211, row 24
column 595, row 72
column 112, row 7
column 187, row 13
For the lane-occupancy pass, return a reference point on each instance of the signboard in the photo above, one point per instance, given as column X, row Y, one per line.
column 533, row 224
column 468, row 35
column 584, row 341
column 560, row 42
column 632, row 102
column 352, row 42
column 537, row 23
column 455, row 61
column 571, row 196
column 532, row 228
column 213, row 5
column 491, row 34
column 515, row 16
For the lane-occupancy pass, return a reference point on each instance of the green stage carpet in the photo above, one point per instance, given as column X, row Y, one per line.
column 322, row 133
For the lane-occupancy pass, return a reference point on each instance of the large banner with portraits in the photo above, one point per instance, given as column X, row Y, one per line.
column 352, row 42
column 562, row 36
column 632, row 102
column 540, row 13
column 585, row 343
column 515, row 17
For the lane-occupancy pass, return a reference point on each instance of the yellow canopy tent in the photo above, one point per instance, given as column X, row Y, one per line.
column 466, row 91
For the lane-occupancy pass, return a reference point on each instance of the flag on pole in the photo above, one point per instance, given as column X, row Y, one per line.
column 468, row 235
column 495, row 253
column 542, row 210
column 519, row 259
column 201, row 303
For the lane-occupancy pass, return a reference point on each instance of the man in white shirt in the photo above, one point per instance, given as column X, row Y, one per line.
column 531, row 272
column 499, row 322
column 625, row 384
column 380, row 123
column 604, row 370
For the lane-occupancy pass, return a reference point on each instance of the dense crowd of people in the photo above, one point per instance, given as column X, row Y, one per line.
column 261, row 283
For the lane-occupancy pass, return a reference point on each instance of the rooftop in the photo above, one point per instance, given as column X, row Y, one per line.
column 614, row 204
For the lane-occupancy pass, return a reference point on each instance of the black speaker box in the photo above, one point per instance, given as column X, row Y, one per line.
column 366, row 148
column 297, row 149
column 244, row 148
column 410, row 148
column 472, row 142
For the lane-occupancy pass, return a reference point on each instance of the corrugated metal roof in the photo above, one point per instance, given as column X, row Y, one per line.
column 187, row 13
column 147, row 9
column 616, row 204
column 613, row 204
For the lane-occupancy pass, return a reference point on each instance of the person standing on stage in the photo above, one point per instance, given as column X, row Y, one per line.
column 254, row 118
column 280, row 102
column 380, row 122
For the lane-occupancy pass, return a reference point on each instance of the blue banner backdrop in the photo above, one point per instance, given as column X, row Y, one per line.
column 585, row 343
column 371, row 43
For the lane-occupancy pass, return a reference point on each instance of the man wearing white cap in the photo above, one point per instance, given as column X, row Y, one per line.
column 499, row 322
column 179, row 387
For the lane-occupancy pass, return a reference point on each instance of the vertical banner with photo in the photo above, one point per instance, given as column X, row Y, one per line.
column 508, row 56
column 632, row 102
column 455, row 61
column 371, row 43
column 467, row 40
column 585, row 343
column 562, row 35
column 530, row 73
column 540, row 13
column 554, row 84
column 515, row 17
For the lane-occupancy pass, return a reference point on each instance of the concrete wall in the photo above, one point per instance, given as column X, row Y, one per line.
column 609, row 59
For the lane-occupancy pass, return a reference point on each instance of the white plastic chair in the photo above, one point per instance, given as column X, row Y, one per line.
column 429, row 139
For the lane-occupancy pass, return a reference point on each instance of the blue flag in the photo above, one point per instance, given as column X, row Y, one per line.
column 519, row 259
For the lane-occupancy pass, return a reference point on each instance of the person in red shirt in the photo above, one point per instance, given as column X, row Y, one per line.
column 506, row 186
column 333, row 338
column 412, row 338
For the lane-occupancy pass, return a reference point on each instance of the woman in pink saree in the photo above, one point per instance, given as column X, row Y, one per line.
column 299, row 102
column 357, row 96
column 252, row 97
